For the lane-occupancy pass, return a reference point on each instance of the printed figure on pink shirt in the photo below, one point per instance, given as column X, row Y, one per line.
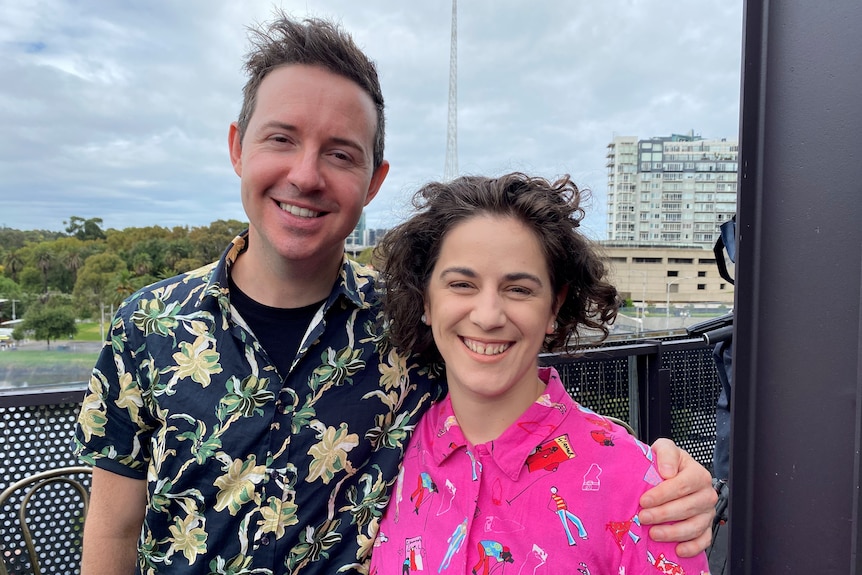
column 665, row 565
column 562, row 509
column 424, row 485
column 491, row 550
column 413, row 560
column 455, row 541
column 619, row 530
column 550, row 454
column 602, row 437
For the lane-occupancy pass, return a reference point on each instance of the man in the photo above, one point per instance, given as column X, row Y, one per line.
column 249, row 417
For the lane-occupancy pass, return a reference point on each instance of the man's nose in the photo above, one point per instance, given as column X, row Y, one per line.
column 305, row 172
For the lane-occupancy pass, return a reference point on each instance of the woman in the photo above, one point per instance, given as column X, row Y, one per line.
column 508, row 473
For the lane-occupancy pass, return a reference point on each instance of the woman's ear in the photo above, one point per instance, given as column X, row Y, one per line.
column 558, row 303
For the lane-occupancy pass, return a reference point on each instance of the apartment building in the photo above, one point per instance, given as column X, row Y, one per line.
column 670, row 190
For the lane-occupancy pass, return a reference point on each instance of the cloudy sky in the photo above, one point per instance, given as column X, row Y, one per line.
column 119, row 110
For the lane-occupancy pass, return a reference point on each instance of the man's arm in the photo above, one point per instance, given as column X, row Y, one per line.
column 686, row 496
column 113, row 524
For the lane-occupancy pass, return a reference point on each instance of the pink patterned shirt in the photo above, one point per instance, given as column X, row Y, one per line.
column 556, row 493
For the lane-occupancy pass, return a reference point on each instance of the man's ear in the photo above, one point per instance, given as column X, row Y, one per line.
column 376, row 181
column 234, row 144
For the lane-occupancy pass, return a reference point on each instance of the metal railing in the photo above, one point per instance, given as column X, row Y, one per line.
column 662, row 388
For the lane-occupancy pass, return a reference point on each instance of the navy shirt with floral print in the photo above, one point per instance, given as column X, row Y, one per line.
column 249, row 470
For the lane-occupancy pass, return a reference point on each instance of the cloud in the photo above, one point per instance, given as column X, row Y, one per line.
column 121, row 110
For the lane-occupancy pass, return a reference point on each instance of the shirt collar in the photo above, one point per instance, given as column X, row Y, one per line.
column 511, row 449
column 356, row 282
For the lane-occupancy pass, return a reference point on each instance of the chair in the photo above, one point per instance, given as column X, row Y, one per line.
column 52, row 505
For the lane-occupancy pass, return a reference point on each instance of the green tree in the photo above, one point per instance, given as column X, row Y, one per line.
column 49, row 321
column 85, row 229
column 366, row 256
column 211, row 241
column 13, row 264
column 9, row 290
column 95, row 287
column 43, row 258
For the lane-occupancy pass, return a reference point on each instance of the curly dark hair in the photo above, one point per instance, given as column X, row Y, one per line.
column 311, row 42
column 408, row 253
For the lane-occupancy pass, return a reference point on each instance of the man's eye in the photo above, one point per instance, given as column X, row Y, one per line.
column 342, row 156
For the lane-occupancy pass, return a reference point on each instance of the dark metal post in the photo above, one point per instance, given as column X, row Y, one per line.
column 655, row 403
column 797, row 363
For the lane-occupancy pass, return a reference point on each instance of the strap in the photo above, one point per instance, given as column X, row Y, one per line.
column 726, row 242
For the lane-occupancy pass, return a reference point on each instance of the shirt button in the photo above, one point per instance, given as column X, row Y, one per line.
column 264, row 540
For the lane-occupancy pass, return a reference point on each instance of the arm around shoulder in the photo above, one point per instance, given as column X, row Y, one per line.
column 113, row 524
column 686, row 497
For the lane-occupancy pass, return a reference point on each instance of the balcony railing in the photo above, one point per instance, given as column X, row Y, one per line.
column 663, row 388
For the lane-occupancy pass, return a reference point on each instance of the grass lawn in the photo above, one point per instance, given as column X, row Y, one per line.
column 31, row 367
column 89, row 331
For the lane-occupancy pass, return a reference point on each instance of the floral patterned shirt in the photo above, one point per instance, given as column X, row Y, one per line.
column 557, row 492
column 249, row 470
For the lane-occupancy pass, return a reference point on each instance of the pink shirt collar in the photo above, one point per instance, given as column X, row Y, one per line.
column 511, row 449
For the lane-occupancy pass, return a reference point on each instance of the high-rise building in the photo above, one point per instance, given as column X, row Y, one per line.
column 670, row 190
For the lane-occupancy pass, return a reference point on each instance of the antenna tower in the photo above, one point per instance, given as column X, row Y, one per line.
column 450, row 170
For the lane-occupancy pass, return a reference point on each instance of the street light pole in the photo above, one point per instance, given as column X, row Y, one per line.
column 643, row 301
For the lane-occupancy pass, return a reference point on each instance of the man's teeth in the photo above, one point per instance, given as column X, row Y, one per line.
column 486, row 349
column 297, row 211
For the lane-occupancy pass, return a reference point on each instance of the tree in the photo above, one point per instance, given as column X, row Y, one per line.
column 43, row 259
column 95, row 286
column 13, row 265
column 49, row 321
column 11, row 292
column 85, row 229
column 366, row 256
column 209, row 242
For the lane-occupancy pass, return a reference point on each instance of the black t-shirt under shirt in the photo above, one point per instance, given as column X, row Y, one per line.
column 278, row 330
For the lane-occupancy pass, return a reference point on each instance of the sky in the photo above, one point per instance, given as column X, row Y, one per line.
column 120, row 110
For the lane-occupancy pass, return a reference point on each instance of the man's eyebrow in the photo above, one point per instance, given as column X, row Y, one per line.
column 335, row 140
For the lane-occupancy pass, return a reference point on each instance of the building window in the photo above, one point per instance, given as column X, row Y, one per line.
column 672, row 273
column 701, row 286
column 701, row 274
column 721, row 286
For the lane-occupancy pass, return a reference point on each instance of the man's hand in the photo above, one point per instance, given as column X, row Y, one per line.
column 686, row 497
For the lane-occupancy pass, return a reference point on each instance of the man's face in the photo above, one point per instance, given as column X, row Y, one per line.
column 306, row 165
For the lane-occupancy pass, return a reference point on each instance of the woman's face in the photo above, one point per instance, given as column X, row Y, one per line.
column 490, row 304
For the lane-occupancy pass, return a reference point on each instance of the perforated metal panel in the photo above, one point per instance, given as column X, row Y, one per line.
column 694, row 393
column 609, row 386
column 602, row 386
column 33, row 439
